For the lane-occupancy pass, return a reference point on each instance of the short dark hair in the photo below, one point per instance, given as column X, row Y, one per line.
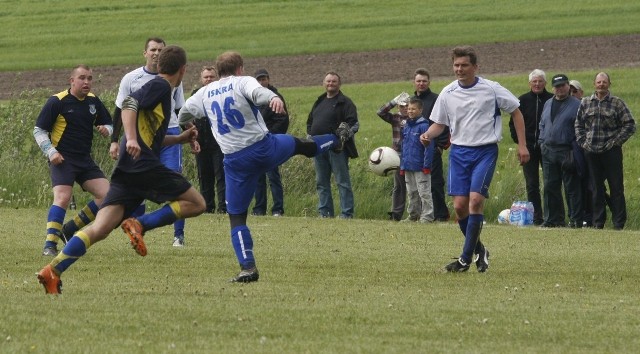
column 228, row 62
column 334, row 74
column 171, row 59
column 465, row 51
column 423, row 72
column 415, row 100
column 153, row 39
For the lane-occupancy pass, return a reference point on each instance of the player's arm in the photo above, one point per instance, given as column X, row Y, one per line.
column 129, row 117
column 189, row 135
column 43, row 141
column 115, row 135
column 434, row 131
column 518, row 122
column 263, row 96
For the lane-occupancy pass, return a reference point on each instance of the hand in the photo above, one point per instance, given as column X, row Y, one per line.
column 401, row 172
column 425, row 140
column 189, row 135
column 102, row 130
column 56, row 158
column 133, row 149
column 523, row 154
column 114, row 150
column 195, row 147
column 276, row 105
column 426, row 171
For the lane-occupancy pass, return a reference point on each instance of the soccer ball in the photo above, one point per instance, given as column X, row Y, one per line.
column 503, row 217
column 383, row 161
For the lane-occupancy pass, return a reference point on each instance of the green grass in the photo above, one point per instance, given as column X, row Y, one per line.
column 58, row 34
column 326, row 286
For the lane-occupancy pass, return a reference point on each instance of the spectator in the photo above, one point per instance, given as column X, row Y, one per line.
column 557, row 134
column 602, row 125
column 576, row 89
column 421, row 81
column 277, row 123
column 531, row 104
column 64, row 133
column 397, row 120
column 328, row 113
column 415, row 164
column 209, row 159
column 469, row 106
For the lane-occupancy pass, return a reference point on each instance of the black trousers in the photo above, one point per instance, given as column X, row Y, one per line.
column 607, row 166
column 440, row 210
column 531, row 172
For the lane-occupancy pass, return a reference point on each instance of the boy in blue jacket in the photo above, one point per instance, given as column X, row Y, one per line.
column 415, row 164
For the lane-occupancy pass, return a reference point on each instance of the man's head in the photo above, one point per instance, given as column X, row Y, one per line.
column 465, row 64
column 414, row 108
column 576, row 89
column 331, row 83
column 207, row 75
column 80, row 81
column 560, row 83
column 152, row 48
column 172, row 61
column 262, row 75
column 537, row 81
column 229, row 64
column 421, row 80
column 601, row 83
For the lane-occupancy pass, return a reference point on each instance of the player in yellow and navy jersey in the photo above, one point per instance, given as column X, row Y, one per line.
column 64, row 132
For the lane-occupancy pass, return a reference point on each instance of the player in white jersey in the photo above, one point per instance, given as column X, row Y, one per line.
column 231, row 105
column 470, row 107
column 171, row 155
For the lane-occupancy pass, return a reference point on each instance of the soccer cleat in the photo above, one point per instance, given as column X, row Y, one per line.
column 482, row 261
column 50, row 280
column 457, row 266
column 178, row 242
column 133, row 229
column 246, row 276
column 50, row 251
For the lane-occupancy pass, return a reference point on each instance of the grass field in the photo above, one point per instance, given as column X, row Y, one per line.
column 326, row 286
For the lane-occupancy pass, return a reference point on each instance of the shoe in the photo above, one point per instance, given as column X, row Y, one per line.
column 133, row 229
column 344, row 133
column 50, row 251
column 178, row 242
column 246, row 276
column 482, row 262
column 457, row 266
column 409, row 219
column 276, row 214
column 256, row 213
column 50, row 280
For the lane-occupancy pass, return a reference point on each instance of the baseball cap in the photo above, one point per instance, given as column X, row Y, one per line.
column 559, row 79
column 261, row 72
column 576, row 84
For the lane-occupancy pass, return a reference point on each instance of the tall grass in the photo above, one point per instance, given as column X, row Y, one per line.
column 62, row 33
column 24, row 180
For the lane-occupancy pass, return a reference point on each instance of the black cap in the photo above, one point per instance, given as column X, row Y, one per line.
column 559, row 79
column 261, row 72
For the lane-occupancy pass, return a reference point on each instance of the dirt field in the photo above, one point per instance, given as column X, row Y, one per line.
column 553, row 56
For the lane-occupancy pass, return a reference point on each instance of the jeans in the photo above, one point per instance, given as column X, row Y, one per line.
column 554, row 179
column 277, row 193
column 337, row 163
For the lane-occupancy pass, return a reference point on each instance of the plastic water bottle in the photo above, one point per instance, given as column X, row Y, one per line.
column 529, row 209
column 516, row 214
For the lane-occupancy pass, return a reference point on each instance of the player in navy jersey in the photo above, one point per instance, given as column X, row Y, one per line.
column 470, row 107
column 64, row 133
column 231, row 105
column 139, row 174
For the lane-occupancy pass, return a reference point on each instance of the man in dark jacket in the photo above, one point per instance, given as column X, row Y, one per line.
column 531, row 104
column 329, row 111
column 277, row 123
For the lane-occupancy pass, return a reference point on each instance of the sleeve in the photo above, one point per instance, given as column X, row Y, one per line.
column 429, row 150
column 193, row 108
column 506, row 100
column 104, row 117
column 384, row 112
column 351, row 116
column 123, row 91
column 117, row 125
column 152, row 93
column 49, row 114
column 628, row 124
column 43, row 141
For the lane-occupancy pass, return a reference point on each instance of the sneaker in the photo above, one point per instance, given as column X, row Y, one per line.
column 482, row 261
column 50, row 251
column 457, row 266
column 50, row 280
column 277, row 214
column 133, row 229
column 178, row 242
column 246, row 276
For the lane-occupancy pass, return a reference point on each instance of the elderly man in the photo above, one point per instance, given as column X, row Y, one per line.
column 603, row 124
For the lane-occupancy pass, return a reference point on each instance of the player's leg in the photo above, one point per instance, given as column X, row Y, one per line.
column 55, row 218
column 171, row 157
column 98, row 187
column 315, row 145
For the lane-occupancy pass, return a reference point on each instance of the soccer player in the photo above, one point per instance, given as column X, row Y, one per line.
column 231, row 104
column 139, row 173
column 470, row 107
column 64, row 133
column 171, row 155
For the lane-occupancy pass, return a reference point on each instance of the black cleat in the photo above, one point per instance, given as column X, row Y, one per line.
column 246, row 276
column 50, row 251
column 457, row 266
column 482, row 262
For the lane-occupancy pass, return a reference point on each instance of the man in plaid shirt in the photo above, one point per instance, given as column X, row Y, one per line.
column 603, row 124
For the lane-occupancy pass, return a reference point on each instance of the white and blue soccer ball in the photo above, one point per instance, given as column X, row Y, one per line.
column 383, row 161
column 503, row 217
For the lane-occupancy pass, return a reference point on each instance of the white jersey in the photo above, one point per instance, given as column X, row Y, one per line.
column 472, row 113
column 231, row 105
column 135, row 79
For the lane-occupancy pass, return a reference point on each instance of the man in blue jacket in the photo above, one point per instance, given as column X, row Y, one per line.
column 557, row 134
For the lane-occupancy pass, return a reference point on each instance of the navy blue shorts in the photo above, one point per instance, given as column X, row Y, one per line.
column 158, row 185
column 74, row 170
